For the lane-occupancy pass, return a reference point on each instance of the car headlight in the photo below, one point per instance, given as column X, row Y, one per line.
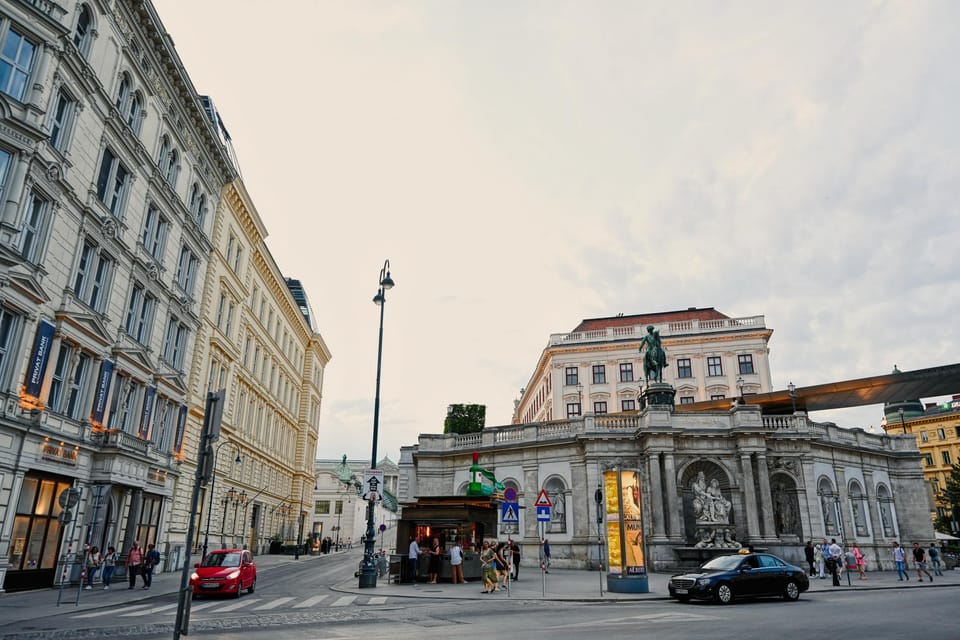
column 194, row 576
column 233, row 575
column 702, row 582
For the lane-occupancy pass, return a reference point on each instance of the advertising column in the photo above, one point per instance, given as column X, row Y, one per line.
column 627, row 569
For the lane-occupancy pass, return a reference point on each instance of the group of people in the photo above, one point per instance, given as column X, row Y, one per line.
column 498, row 562
column 138, row 562
column 832, row 558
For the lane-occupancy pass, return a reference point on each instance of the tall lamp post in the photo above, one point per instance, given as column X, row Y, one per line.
column 580, row 398
column 228, row 497
column 296, row 554
column 368, row 568
column 903, row 425
column 792, row 391
column 213, row 480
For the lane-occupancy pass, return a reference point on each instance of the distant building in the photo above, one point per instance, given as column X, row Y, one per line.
column 597, row 368
column 339, row 511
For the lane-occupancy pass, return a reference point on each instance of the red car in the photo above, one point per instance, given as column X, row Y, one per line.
column 228, row 571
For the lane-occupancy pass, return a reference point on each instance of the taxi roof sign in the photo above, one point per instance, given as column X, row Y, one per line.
column 543, row 500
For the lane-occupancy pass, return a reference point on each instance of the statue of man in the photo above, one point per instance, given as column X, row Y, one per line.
column 655, row 359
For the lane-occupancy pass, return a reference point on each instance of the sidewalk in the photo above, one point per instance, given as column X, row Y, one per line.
column 585, row 586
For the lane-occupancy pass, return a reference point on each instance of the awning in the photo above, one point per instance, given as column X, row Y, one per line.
column 944, row 536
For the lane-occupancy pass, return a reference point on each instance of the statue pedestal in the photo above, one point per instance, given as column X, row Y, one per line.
column 657, row 394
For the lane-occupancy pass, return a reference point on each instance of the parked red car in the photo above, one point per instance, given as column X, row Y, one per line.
column 228, row 571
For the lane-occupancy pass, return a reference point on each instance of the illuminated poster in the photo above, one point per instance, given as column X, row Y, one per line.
column 624, row 523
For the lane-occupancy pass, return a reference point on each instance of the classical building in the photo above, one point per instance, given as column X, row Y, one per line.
column 339, row 510
column 597, row 368
column 116, row 266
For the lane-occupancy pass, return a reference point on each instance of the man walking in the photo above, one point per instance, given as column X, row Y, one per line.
column 515, row 553
column 546, row 555
column 934, row 554
column 836, row 561
column 900, row 561
column 150, row 560
column 920, row 560
column 808, row 555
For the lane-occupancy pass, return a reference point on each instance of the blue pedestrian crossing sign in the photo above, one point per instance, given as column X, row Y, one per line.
column 510, row 513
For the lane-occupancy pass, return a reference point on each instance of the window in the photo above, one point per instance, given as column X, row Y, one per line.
column 66, row 385
column 717, row 396
column 164, row 152
column 187, row 269
column 112, row 182
column 140, row 314
column 686, row 399
column 16, row 61
column 133, row 112
column 34, row 227
column 338, row 508
column 234, row 250
column 599, row 407
column 626, row 372
column 684, row 370
column 714, row 366
column 172, row 168
column 599, row 374
column 628, row 405
column 924, row 437
column 573, row 409
column 149, row 519
column 155, row 229
column 941, row 434
column 123, row 92
column 946, row 457
column 125, row 406
column 321, row 507
column 745, row 362
column 957, row 432
column 198, row 204
column 174, row 342
column 4, row 165
column 83, row 34
column 93, row 276
column 61, row 120
column 928, row 459
column 573, row 376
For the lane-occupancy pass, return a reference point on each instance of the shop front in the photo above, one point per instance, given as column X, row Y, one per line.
column 37, row 537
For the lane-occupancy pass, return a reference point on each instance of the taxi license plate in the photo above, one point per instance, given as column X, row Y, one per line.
column 210, row 585
column 681, row 592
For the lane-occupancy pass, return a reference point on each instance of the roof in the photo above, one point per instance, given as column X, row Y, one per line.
column 661, row 317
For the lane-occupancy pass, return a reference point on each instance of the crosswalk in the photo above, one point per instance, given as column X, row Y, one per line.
column 245, row 603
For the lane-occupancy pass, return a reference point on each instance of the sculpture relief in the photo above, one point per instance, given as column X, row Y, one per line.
column 709, row 505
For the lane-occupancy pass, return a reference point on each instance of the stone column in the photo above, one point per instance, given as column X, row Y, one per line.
column 133, row 518
column 673, row 506
column 749, row 497
column 531, row 487
column 13, row 193
column 656, row 494
column 766, row 501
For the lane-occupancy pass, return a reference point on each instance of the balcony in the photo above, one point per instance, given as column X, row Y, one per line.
column 684, row 328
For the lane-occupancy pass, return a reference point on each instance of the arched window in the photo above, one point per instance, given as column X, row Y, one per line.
column 133, row 113
column 123, row 93
column 828, row 507
column 557, row 491
column 884, row 502
column 164, row 152
column 83, row 34
column 173, row 167
column 858, row 507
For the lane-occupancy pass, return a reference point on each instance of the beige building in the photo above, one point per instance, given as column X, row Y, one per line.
column 598, row 368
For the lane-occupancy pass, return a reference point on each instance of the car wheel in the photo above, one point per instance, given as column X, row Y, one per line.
column 724, row 593
column 253, row 585
column 236, row 594
column 791, row 591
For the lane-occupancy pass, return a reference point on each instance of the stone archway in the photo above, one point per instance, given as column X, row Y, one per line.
column 707, row 502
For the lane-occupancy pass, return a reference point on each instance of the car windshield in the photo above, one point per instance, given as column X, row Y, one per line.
column 231, row 559
column 722, row 563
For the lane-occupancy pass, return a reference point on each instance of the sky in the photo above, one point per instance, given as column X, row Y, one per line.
column 524, row 165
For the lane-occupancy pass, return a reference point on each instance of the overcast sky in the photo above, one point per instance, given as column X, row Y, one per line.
column 525, row 165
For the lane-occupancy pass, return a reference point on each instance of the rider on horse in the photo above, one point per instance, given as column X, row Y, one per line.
column 655, row 359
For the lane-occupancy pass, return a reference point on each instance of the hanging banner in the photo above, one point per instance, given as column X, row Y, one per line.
column 147, row 412
column 30, row 394
column 101, row 395
column 181, row 428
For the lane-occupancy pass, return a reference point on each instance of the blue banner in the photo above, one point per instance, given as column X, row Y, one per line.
column 147, row 413
column 181, row 428
column 38, row 360
column 103, row 392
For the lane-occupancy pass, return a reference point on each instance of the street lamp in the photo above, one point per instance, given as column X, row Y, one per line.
column 580, row 398
column 903, row 425
column 792, row 390
column 368, row 568
column 229, row 497
column 213, row 480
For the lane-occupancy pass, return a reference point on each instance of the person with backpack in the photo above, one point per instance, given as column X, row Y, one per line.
column 934, row 554
column 150, row 560
column 109, row 566
column 92, row 564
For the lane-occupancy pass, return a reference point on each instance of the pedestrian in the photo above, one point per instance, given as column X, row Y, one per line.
column 349, row 542
column 900, row 561
column 456, row 563
column 808, row 553
column 109, row 566
column 920, row 561
column 546, row 556
column 818, row 559
column 413, row 556
column 503, row 565
column 150, row 561
column 435, row 551
column 859, row 561
column 515, row 557
column 835, row 561
column 488, row 562
column 934, row 554
column 92, row 562
column 134, row 560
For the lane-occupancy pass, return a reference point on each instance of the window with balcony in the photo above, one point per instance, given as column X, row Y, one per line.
column 599, row 407
column 572, row 376
column 93, row 276
column 125, row 405
column 628, row 405
column 16, row 63
column 714, row 366
column 684, row 368
column 112, row 182
column 33, row 231
column 745, row 363
column 599, row 374
column 61, row 120
column 626, row 372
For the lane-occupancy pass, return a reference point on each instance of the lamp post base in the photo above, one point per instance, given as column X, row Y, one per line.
column 368, row 579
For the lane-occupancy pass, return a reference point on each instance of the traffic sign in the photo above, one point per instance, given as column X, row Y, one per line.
column 510, row 494
column 509, row 513
column 372, row 483
column 543, row 514
column 543, row 500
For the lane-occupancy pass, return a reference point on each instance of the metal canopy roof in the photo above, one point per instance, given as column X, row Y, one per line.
column 892, row 387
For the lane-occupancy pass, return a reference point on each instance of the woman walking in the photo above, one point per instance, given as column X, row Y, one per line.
column 109, row 566
column 488, row 560
column 503, row 566
column 859, row 559
column 93, row 562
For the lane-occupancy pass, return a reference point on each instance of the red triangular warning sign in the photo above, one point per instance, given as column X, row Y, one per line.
column 543, row 500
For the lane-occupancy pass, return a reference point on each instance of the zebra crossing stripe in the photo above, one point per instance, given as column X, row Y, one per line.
column 345, row 600
column 96, row 614
column 151, row 610
column 238, row 605
column 273, row 604
column 377, row 600
column 309, row 602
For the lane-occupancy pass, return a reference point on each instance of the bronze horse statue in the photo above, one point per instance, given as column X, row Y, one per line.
column 655, row 359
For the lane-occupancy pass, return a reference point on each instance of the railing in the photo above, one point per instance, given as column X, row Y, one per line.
column 616, row 423
column 684, row 327
column 784, row 422
column 125, row 441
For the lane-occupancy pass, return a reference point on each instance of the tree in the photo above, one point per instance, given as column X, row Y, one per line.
column 949, row 499
column 465, row 418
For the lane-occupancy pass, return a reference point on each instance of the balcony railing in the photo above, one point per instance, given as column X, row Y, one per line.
column 685, row 327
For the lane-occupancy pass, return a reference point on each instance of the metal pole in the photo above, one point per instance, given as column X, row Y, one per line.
column 296, row 554
column 598, row 498
column 67, row 562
